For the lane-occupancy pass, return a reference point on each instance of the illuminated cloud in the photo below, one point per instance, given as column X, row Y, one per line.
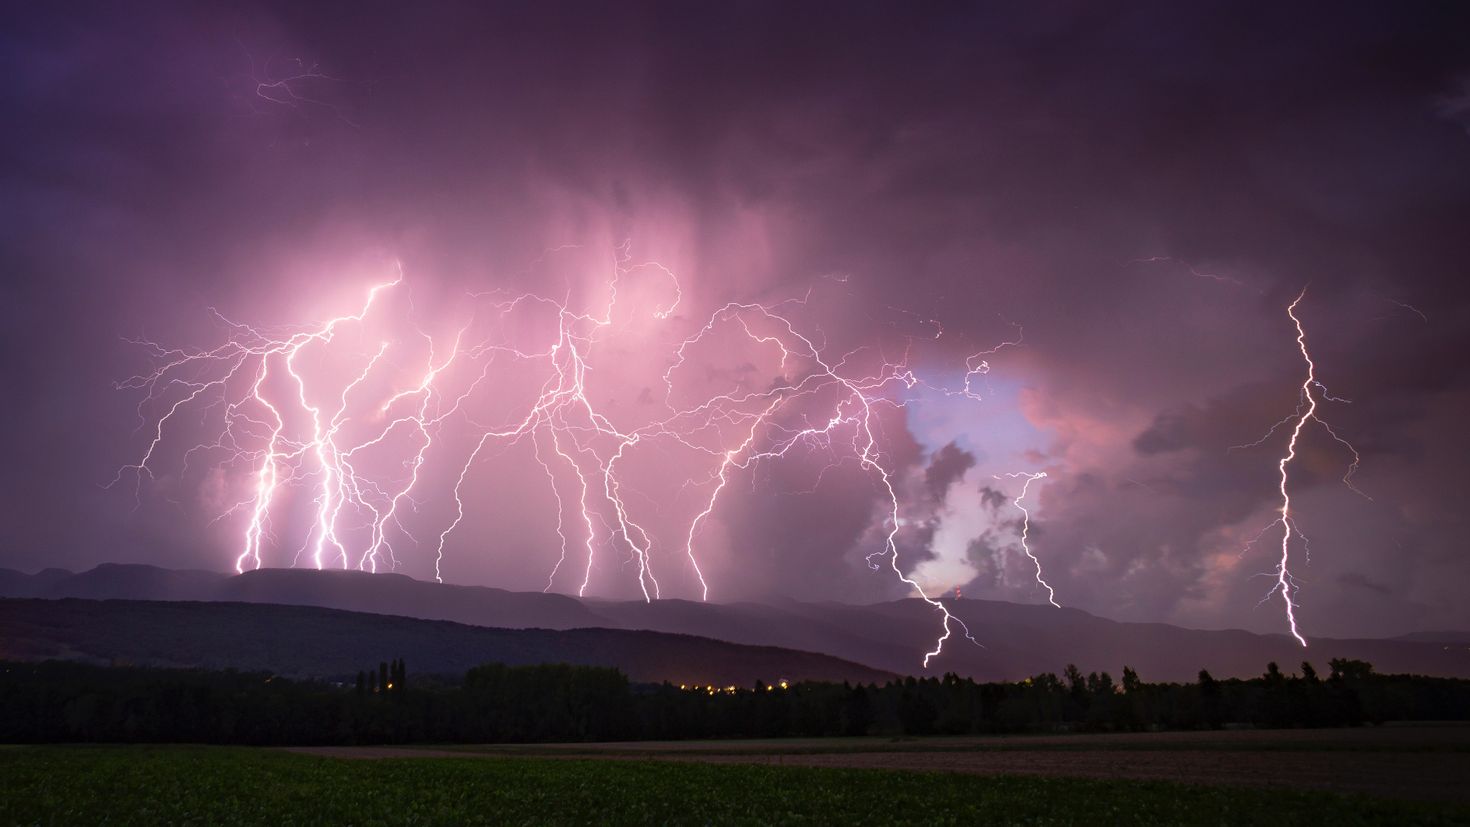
column 937, row 182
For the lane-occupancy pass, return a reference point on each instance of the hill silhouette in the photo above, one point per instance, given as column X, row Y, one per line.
column 1014, row 640
column 306, row 641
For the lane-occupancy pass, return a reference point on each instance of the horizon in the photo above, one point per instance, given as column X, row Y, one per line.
column 1451, row 635
column 846, row 328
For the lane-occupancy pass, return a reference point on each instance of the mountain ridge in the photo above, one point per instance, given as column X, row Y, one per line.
column 1015, row 640
column 315, row 642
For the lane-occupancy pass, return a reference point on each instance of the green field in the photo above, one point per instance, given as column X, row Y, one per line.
column 225, row 785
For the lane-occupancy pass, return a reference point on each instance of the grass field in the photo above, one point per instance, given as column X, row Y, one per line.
column 1427, row 762
column 223, row 785
column 1421, row 738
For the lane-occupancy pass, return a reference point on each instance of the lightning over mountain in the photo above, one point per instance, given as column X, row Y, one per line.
column 345, row 418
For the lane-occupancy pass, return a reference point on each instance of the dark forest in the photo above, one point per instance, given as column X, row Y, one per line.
column 59, row 701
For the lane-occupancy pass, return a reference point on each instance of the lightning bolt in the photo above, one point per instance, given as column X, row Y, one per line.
column 1199, row 274
column 293, row 427
column 1051, row 594
column 253, row 351
column 1310, row 395
column 292, row 83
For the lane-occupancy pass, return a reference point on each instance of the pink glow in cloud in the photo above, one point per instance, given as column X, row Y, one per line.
column 935, row 182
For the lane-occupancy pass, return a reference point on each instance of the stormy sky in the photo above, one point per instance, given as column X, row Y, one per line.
column 1130, row 194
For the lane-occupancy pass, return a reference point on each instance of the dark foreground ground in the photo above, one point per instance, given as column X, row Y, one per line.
column 1296, row 779
column 1419, row 762
column 204, row 785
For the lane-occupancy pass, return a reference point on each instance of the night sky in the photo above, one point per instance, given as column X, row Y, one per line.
column 1136, row 194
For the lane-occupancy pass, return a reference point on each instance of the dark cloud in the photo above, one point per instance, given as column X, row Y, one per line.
column 1073, row 169
column 947, row 467
column 1358, row 581
column 992, row 499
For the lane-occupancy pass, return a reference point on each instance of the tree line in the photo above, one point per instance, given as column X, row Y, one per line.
column 65, row 701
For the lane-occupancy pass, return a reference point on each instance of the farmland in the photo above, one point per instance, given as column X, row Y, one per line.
column 718, row 784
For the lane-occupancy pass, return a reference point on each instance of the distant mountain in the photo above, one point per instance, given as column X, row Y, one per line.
column 313, row 642
column 40, row 584
column 113, row 581
column 1015, row 641
column 1443, row 636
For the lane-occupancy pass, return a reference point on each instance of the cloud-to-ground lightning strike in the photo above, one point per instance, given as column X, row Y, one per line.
column 1311, row 394
column 1051, row 594
column 289, row 425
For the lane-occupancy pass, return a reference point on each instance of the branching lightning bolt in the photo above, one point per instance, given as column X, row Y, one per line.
column 1311, row 394
column 291, row 427
column 1051, row 594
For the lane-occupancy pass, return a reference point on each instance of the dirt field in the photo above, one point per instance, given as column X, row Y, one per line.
column 1422, row 762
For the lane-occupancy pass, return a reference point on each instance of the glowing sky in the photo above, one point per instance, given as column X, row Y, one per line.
column 1140, row 193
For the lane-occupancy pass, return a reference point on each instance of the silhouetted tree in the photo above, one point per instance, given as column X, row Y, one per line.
column 1131, row 683
column 57, row 701
column 857, row 712
column 1350, row 670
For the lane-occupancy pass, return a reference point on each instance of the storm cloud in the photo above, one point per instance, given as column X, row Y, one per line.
column 1133, row 194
